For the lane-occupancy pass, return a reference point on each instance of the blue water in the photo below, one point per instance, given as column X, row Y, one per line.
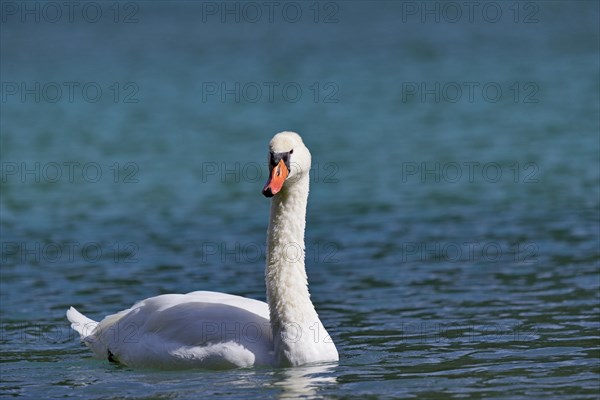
column 453, row 222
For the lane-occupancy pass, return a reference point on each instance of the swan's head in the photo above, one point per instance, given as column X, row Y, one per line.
column 289, row 161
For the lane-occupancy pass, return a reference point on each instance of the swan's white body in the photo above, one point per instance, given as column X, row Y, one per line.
column 218, row 330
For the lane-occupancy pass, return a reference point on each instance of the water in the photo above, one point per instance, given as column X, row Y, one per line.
column 452, row 242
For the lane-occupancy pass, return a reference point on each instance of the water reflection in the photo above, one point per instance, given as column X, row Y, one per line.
column 304, row 381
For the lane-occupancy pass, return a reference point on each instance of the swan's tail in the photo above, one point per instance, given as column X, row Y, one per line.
column 80, row 323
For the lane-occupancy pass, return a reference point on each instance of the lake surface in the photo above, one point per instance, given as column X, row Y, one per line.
column 453, row 222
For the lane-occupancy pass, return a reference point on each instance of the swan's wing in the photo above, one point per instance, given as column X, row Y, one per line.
column 255, row 306
column 202, row 328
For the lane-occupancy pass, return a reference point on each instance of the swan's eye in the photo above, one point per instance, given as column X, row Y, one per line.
column 291, row 151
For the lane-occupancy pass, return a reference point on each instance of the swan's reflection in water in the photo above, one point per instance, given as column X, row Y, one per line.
column 303, row 382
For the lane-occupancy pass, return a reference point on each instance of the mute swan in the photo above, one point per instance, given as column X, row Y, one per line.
column 218, row 330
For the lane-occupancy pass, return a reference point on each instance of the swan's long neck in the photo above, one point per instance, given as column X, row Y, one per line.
column 293, row 316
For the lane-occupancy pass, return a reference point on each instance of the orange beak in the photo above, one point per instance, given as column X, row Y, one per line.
column 277, row 177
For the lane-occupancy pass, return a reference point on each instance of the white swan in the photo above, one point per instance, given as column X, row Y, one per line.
column 218, row 330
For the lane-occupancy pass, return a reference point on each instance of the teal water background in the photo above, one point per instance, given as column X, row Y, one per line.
column 453, row 222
